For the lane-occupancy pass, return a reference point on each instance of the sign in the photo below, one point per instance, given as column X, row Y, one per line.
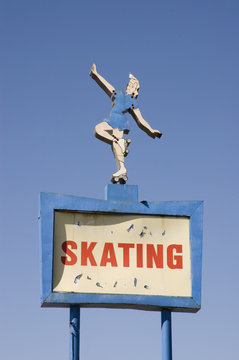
column 121, row 254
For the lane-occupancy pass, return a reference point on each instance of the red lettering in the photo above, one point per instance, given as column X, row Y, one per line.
column 175, row 261
column 71, row 257
column 126, row 248
column 152, row 255
column 86, row 253
column 108, row 255
column 139, row 255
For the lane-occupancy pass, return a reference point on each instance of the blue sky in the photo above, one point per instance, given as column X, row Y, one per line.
column 185, row 54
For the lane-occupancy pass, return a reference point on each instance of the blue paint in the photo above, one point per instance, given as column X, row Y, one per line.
column 78, row 277
column 74, row 333
column 120, row 192
column 130, row 227
column 184, row 304
column 121, row 199
column 196, row 234
column 121, row 104
column 166, row 329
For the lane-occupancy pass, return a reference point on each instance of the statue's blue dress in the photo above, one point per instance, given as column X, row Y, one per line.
column 121, row 104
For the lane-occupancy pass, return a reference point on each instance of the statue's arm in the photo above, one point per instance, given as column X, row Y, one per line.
column 136, row 114
column 101, row 81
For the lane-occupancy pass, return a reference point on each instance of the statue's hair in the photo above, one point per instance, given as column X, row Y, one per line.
column 135, row 82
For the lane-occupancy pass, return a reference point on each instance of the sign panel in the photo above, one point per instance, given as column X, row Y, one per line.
column 120, row 252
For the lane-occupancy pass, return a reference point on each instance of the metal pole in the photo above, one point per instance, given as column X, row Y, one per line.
column 166, row 328
column 74, row 333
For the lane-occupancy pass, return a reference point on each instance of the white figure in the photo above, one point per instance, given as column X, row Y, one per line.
column 112, row 129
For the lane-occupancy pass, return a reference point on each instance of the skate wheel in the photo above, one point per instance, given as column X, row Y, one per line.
column 113, row 180
column 123, row 179
column 126, row 152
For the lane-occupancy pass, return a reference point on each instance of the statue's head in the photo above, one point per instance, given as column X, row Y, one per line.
column 133, row 86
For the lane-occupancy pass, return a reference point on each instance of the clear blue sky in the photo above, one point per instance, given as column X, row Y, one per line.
column 186, row 55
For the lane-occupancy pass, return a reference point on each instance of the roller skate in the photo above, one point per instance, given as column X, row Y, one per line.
column 124, row 145
column 119, row 177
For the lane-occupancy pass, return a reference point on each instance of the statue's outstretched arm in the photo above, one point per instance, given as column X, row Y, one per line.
column 143, row 124
column 101, row 81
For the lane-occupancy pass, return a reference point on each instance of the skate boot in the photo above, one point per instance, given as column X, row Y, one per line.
column 119, row 177
column 124, row 145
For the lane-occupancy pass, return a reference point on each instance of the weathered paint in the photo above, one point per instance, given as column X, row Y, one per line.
column 50, row 203
column 128, row 193
column 92, row 249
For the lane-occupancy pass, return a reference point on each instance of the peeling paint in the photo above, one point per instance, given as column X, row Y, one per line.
column 99, row 253
column 78, row 277
column 145, row 203
column 143, row 231
column 98, row 284
column 131, row 227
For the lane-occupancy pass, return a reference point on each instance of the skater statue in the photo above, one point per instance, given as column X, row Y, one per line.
column 112, row 130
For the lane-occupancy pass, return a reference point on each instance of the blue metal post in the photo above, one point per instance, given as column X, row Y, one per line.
column 74, row 333
column 166, row 328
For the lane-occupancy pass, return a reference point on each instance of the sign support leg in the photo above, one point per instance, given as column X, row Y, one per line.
column 74, row 333
column 166, row 328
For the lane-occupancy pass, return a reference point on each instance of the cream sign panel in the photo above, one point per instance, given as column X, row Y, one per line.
column 121, row 254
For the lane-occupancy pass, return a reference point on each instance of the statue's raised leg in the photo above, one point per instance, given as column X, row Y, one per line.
column 103, row 131
column 120, row 151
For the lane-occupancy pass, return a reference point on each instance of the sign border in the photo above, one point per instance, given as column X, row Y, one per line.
column 49, row 203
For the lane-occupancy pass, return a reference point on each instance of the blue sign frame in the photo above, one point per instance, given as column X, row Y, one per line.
column 122, row 199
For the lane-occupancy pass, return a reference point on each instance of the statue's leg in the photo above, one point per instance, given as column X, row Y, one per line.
column 103, row 131
column 119, row 148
